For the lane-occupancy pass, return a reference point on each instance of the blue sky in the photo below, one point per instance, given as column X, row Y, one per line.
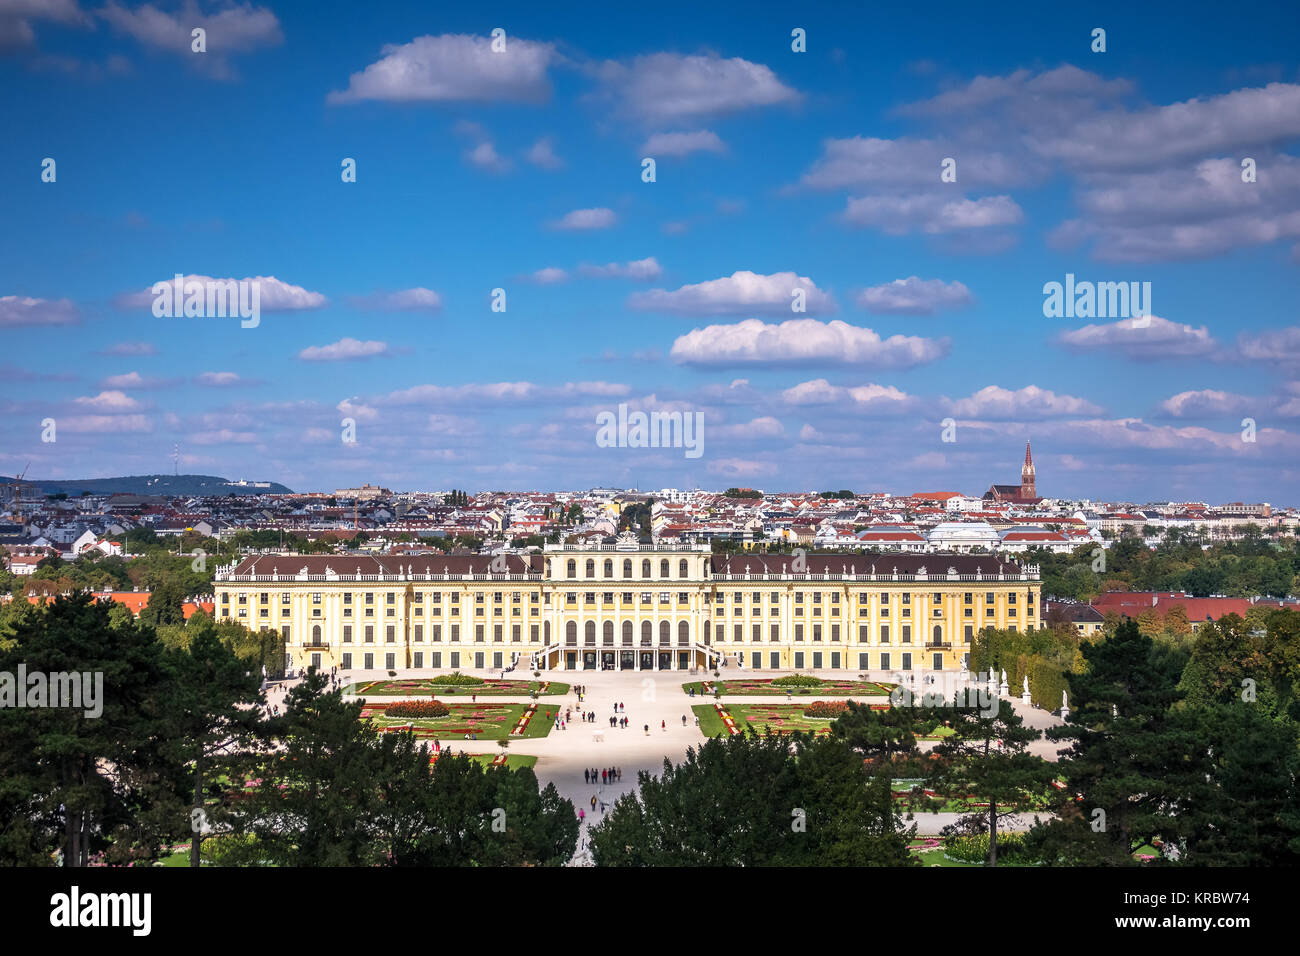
column 522, row 170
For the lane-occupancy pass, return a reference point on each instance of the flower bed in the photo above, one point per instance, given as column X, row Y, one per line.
column 826, row 709
column 427, row 687
column 523, row 721
column 483, row 721
column 418, row 708
column 727, row 720
column 456, row 677
column 773, row 688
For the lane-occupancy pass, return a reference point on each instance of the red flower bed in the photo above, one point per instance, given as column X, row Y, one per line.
column 418, row 708
column 826, row 708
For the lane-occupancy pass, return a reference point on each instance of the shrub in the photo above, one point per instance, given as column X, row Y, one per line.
column 392, row 673
column 456, row 677
column 974, row 848
column 798, row 680
column 417, row 708
column 826, row 709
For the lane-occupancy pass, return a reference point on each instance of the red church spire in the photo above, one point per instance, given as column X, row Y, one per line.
column 1028, row 479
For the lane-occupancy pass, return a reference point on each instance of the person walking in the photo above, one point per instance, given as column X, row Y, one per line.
column 663, row 725
column 582, row 816
column 647, row 730
column 586, row 775
column 593, row 803
column 683, row 720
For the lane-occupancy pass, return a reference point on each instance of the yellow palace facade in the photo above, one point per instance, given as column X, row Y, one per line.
column 629, row 606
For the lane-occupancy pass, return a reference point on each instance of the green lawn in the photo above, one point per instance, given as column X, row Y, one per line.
column 710, row 723
column 485, row 721
column 763, row 718
column 773, row 718
column 429, row 687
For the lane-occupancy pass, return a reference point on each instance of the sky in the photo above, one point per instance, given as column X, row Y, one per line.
column 922, row 359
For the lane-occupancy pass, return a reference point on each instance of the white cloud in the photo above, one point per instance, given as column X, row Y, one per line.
column 16, row 310
column 1282, row 345
column 858, row 398
column 500, row 392
column 454, row 68
column 1207, row 402
column 740, row 467
column 485, row 156
column 134, row 380
column 682, row 144
column 104, row 424
column 993, row 402
column 274, row 294
column 218, row 379
column 931, row 213
column 740, row 292
column 222, row 436
column 542, row 154
column 418, row 299
column 109, row 401
column 343, row 350
column 869, row 161
column 803, row 340
column 666, row 87
column 914, row 296
column 234, row 29
column 131, row 349
column 1145, row 338
column 550, row 275
column 583, row 219
column 643, row 269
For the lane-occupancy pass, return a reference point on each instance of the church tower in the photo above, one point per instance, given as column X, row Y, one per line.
column 1027, row 489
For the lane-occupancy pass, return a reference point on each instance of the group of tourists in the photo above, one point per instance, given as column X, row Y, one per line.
column 605, row 775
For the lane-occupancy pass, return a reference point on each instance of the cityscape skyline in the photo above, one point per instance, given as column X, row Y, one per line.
column 924, row 354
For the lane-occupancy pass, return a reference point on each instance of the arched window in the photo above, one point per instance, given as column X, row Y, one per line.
column 609, row 568
column 607, row 634
column 683, row 569
column 627, row 567
column 550, row 571
column 546, row 632
column 938, row 633
column 571, row 634
column 683, row 633
column 589, row 634
column 647, row 634
column 315, row 634
column 591, row 568
column 645, row 568
column 627, row 633
column 663, row 568
column 665, row 633
column 573, row 568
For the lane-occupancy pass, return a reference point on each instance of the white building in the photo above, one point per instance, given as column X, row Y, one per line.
column 963, row 536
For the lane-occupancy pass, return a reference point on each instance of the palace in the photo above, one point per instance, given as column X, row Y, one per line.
column 630, row 606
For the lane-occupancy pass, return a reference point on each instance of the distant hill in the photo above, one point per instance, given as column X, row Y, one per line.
column 154, row 485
